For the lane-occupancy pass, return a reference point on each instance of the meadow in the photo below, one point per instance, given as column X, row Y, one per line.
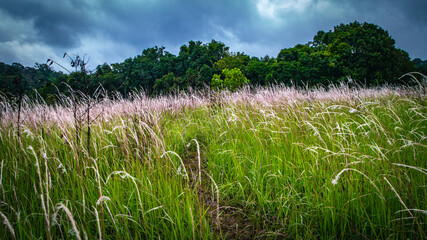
column 266, row 163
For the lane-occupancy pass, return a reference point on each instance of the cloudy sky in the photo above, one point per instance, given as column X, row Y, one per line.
column 112, row 30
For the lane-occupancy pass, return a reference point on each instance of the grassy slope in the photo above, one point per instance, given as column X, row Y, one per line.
column 312, row 167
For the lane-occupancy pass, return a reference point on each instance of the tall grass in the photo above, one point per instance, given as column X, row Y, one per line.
column 271, row 163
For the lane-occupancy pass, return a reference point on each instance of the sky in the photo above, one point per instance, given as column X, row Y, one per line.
column 110, row 31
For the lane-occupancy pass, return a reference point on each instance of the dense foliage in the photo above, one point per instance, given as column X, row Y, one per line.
column 363, row 52
column 234, row 79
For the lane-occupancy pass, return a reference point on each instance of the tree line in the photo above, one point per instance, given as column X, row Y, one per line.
column 364, row 52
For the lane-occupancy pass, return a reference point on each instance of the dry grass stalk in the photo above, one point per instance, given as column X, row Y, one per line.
column 7, row 223
column 70, row 217
column 217, row 221
column 406, row 208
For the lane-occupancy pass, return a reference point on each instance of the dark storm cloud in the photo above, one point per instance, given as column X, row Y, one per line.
column 173, row 21
column 62, row 23
column 57, row 23
column 113, row 30
column 411, row 10
column 406, row 21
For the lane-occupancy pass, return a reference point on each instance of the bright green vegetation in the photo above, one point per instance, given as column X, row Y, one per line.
column 234, row 79
column 338, row 168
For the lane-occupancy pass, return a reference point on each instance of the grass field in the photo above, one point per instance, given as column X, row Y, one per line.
column 273, row 163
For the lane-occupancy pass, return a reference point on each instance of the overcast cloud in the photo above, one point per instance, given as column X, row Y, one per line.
column 110, row 31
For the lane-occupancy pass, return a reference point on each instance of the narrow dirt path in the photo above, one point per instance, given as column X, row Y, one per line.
column 229, row 222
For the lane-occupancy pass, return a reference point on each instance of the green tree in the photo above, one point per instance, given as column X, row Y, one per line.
column 365, row 52
column 420, row 65
column 167, row 84
column 256, row 71
column 234, row 79
column 217, row 83
column 234, row 60
column 196, row 60
column 302, row 65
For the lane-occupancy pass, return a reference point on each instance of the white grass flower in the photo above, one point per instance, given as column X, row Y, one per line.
column 29, row 134
column 422, row 170
column 70, row 217
column 413, row 210
column 181, row 172
column 8, row 225
column 232, row 118
column 102, row 199
column 181, row 169
column 352, row 110
column 1, row 173
column 335, row 180
column 62, row 168
column 155, row 208
column 122, row 174
column 72, row 231
column 98, row 223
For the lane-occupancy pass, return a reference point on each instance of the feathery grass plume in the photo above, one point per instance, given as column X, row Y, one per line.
column 199, row 182
column 421, row 83
column 99, row 180
column 67, row 211
column 198, row 163
column 125, row 175
column 406, row 208
column 182, row 166
column 104, row 200
column 61, row 115
column 422, row 170
column 7, row 223
column 337, row 177
column 98, row 223
column 217, row 221
column 44, row 203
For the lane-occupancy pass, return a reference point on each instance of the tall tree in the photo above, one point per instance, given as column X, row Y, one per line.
column 234, row 79
column 365, row 52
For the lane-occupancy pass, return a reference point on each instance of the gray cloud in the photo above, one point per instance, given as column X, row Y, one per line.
column 56, row 23
column 110, row 31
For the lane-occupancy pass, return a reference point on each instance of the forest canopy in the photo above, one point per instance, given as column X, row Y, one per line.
column 363, row 52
